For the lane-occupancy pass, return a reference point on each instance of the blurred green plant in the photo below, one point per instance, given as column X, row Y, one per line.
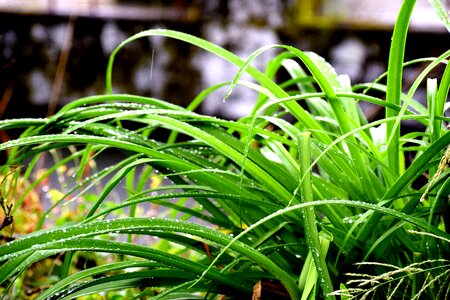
column 249, row 202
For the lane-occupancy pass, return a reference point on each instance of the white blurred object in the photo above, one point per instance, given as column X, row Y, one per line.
column 111, row 37
column 270, row 11
column 348, row 57
column 242, row 41
column 40, row 87
column 9, row 40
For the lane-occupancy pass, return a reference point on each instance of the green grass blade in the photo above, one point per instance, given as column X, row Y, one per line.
column 441, row 99
column 74, row 238
column 394, row 80
column 441, row 12
column 85, row 274
column 312, row 234
column 416, row 168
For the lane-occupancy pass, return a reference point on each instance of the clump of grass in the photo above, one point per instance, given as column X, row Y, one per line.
column 249, row 201
column 427, row 279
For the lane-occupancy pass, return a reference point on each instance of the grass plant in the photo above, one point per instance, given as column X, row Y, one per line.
column 300, row 203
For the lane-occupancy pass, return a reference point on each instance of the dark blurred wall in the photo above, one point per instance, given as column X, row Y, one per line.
column 30, row 52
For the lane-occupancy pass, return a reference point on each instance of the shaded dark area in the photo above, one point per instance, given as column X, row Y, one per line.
column 84, row 74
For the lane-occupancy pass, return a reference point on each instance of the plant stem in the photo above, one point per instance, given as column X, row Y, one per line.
column 312, row 234
column 394, row 82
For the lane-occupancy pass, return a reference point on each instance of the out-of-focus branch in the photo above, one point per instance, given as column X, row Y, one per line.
column 61, row 68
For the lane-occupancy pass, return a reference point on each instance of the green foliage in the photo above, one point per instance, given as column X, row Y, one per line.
column 219, row 205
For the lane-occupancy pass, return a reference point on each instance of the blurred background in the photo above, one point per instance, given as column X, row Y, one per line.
column 54, row 51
